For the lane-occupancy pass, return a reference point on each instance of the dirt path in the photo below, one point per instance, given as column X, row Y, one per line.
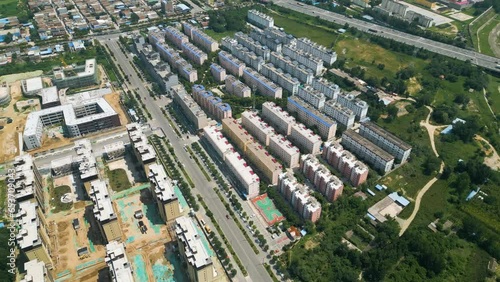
column 486, row 99
column 431, row 129
column 493, row 160
column 492, row 40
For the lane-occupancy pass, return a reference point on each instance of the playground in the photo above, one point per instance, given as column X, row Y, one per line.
column 267, row 209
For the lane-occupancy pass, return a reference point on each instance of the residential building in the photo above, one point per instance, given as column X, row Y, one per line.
column 163, row 192
column 159, row 71
column 253, row 45
column 200, row 38
column 143, row 151
column 385, row 140
column 312, row 117
column 118, row 264
column 304, row 58
column 218, row 72
column 262, row 84
column 218, row 142
column 331, row 90
column 324, row 181
column 285, row 80
column 290, row 189
column 327, row 55
column 189, row 107
column 312, row 96
column 175, row 36
column 231, row 64
column 402, row 10
column 76, row 76
column 280, row 119
column 236, row 87
column 248, row 57
column 358, row 106
column 284, row 150
column 36, row 271
column 184, row 69
column 257, row 127
column 339, row 113
column 194, row 54
column 114, row 150
column 260, row 19
column 32, row 86
column 292, row 67
column 305, row 139
column 211, row 104
column 280, row 35
column 267, row 40
column 28, row 182
column 85, row 162
column 104, row 212
column 366, row 150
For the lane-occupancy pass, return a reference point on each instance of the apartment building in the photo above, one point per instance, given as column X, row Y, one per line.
column 324, row 181
column 385, row 140
column 257, row 127
column 236, row 87
column 119, row 266
column 163, row 192
column 115, row 150
column 339, row 113
column 312, row 96
column 346, row 163
column 32, row 86
column 259, row 19
column 159, row 70
column 327, row 55
column 184, row 69
column 36, row 271
column 200, row 38
column 304, row 58
column 280, row 35
column 219, row 143
column 284, row 150
column 193, row 53
column 285, row 80
column 104, row 212
column 331, row 90
column 194, row 251
column 305, row 139
column 366, row 150
column 175, row 36
column 290, row 189
column 312, row 117
column 28, row 184
column 231, row 64
column 218, row 72
column 358, row 106
column 143, row 151
column 157, row 37
column 248, row 57
column 76, row 76
column 211, row 104
column 253, row 45
column 266, row 40
column 280, row 119
column 292, row 67
column 189, row 107
column 262, row 84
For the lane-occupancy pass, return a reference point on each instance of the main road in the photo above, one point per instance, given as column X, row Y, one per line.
column 374, row 29
column 251, row 262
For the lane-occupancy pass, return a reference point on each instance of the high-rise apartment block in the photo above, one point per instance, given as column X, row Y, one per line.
column 253, row 45
column 358, row 106
column 366, row 150
column 200, row 38
column 280, row 119
column 212, row 104
column 308, row 60
column 184, row 69
column 385, row 140
column 345, row 163
column 163, row 193
column 143, row 151
column 236, row 87
column 299, row 197
column 292, row 67
column 189, row 107
column 104, row 213
column 28, row 183
column 285, row 80
column 267, row 40
column 327, row 55
column 305, row 139
column 312, row 117
column 341, row 114
column 194, row 54
column 218, row 72
column 324, row 181
column 118, row 264
column 260, row 19
column 175, row 36
column 284, row 150
column 248, row 57
column 280, row 35
column 331, row 90
column 262, row 84
column 312, row 96
column 159, row 70
column 231, row 64
column 257, row 127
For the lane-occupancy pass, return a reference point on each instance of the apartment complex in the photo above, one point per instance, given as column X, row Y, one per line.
column 324, row 181
column 284, row 150
column 119, row 267
column 366, row 150
column 218, row 72
column 345, row 163
column 262, row 84
column 385, row 140
column 299, row 197
column 327, row 55
column 257, row 127
column 193, row 53
column 339, row 113
column 76, row 76
column 104, row 212
column 200, row 38
column 260, row 19
column 236, row 87
column 190, row 108
column 406, row 12
column 159, row 70
column 36, row 271
column 358, row 106
column 248, row 57
column 175, row 36
column 28, row 182
column 305, row 139
column 184, row 69
column 312, row 96
column 312, row 117
column 231, row 64
column 252, row 45
column 280, row 119
column 163, row 193
column 304, row 58
column 211, row 104
column 292, row 67
column 285, row 80
column 266, row 39
column 331, row 90
column 143, row 151
column 278, row 34
column 237, row 165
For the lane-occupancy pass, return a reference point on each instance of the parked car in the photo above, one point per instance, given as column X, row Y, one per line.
column 138, row 214
column 142, row 227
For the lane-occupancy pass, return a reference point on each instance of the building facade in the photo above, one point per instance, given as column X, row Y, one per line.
column 190, row 108
column 385, row 140
column 312, row 117
column 262, row 84
column 163, row 192
column 339, row 113
column 236, row 87
column 104, row 213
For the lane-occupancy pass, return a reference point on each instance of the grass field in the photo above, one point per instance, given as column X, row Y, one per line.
column 55, row 201
column 494, row 98
column 483, row 36
column 3, row 197
column 118, row 180
column 8, row 8
column 218, row 36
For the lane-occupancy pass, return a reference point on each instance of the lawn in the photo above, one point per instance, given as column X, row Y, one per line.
column 494, row 90
column 8, row 8
column 118, row 180
column 55, row 201
column 483, row 36
column 218, row 35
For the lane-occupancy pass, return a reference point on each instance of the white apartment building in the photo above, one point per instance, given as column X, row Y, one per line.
column 175, row 36
column 312, row 117
column 308, row 60
column 36, row 271
column 280, row 119
column 253, row 45
column 305, row 139
column 257, row 127
column 118, row 264
column 220, row 143
column 292, row 67
column 267, row 40
column 194, row 53
column 218, row 72
column 200, row 38
column 327, row 55
column 385, row 140
column 285, row 80
column 358, row 106
column 284, row 150
column 231, row 64
column 312, row 96
column 340, row 113
column 236, row 87
column 143, row 151
column 262, row 84
column 248, row 57
column 104, row 212
column 331, row 90
column 280, row 35
column 190, row 108
column 260, row 19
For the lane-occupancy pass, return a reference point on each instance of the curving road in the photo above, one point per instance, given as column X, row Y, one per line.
column 476, row 58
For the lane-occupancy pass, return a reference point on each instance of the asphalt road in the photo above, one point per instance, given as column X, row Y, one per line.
column 420, row 42
column 252, row 262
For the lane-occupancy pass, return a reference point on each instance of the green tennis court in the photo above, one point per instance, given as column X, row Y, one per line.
column 267, row 209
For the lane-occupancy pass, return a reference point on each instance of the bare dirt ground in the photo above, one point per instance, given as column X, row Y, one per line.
column 114, row 100
column 492, row 158
column 402, row 108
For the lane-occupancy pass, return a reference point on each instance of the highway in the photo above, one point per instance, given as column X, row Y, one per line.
column 252, row 262
column 476, row 58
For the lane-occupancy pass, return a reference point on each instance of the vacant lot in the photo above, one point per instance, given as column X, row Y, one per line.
column 56, row 195
column 118, row 180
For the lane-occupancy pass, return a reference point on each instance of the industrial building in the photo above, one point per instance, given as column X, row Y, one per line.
column 285, row 80
column 305, row 139
column 262, row 84
column 231, row 64
column 213, row 105
column 143, row 151
column 163, row 193
column 324, row 181
column 292, row 67
column 312, row 96
column 189, row 107
column 76, row 76
column 350, row 101
column 218, row 72
column 259, row 19
column 193, row 53
column 366, row 150
column 284, row 150
column 385, row 140
column 280, row 119
column 327, row 55
column 345, row 163
column 331, row 90
column 390, row 206
column 299, row 197
column 304, row 58
column 312, row 117
column 339, row 113
column 104, row 213
column 236, row 87
column 119, row 266
column 200, row 38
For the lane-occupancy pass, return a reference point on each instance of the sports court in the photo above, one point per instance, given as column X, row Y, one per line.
column 267, row 209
